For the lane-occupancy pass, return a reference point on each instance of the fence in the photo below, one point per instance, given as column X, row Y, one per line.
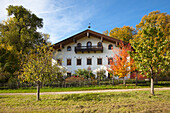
column 79, row 83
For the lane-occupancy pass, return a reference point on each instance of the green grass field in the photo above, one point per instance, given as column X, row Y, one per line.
column 101, row 87
column 50, row 89
column 136, row 101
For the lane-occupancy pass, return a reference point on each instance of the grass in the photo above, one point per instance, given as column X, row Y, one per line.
column 136, row 101
column 101, row 87
column 50, row 89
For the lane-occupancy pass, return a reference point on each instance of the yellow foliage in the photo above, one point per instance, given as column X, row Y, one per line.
column 125, row 33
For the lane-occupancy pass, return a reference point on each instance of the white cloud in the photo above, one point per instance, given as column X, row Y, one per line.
column 56, row 10
column 60, row 17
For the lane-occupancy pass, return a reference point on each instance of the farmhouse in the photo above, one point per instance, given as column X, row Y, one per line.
column 86, row 50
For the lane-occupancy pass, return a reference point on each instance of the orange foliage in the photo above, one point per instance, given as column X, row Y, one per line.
column 122, row 64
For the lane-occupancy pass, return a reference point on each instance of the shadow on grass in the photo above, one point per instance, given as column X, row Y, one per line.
column 155, row 85
column 96, row 97
column 3, row 97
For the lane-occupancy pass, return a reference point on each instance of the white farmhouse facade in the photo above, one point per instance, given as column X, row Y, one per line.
column 85, row 50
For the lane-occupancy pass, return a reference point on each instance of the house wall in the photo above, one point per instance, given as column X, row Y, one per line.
column 64, row 55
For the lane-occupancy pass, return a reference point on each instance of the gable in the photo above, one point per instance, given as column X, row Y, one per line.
column 87, row 33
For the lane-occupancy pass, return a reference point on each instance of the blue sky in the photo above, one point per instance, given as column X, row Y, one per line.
column 64, row 18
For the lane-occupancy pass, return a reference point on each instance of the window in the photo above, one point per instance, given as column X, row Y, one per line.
column 68, row 62
column 110, row 47
column 59, row 50
column 59, row 62
column 79, row 45
column 89, row 44
column 78, row 61
column 110, row 60
column 99, row 44
column 68, row 48
column 68, row 74
column 99, row 61
column 89, row 62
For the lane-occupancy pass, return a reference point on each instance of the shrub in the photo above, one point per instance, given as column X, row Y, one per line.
column 101, row 74
column 74, row 80
column 84, row 73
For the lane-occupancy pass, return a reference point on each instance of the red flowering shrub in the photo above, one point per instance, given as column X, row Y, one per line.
column 140, row 77
column 74, row 79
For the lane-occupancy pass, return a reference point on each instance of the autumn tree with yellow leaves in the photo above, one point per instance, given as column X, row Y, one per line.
column 8, row 64
column 20, row 33
column 36, row 67
column 151, row 45
column 125, row 33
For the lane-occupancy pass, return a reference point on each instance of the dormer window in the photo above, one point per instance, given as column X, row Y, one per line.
column 110, row 47
column 99, row 44
column 79, row 45
column 89, row 44
column 68, row 48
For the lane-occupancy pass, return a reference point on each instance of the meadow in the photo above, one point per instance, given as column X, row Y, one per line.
column 135, row 101
column 84, row 88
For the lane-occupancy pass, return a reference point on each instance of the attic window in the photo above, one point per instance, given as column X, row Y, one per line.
column 68, row 48
column 110, row 47
column 99, row 44
column 89, row 44
column 79, row 45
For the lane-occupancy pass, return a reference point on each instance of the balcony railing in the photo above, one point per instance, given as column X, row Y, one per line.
column 88, row 48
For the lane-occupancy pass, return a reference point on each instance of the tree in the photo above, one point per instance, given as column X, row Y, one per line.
column 7, row 58
column 19, row 32
column 46, row 38
column 151, row 45
column 8, row 62
column 121, row 64
column 37, row 67
column 125, row 33
column 20, row 28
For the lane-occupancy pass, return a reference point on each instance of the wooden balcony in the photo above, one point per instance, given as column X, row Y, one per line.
column 88, row 49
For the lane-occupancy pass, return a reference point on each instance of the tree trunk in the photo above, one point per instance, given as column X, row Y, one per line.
column 152, row 86
column 124, row 81
column 112, row 80
column 152, row 82
column 136, row 78
column 18, row 85
column 38, row 90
